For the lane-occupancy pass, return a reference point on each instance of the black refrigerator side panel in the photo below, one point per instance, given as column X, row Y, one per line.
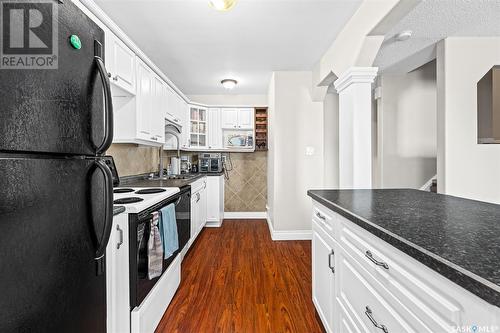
column 56, row 110
column 48, row 242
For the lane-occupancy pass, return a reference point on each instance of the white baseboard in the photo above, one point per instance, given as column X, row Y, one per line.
column 278, row 235
column 213, row 224
column 245, row 215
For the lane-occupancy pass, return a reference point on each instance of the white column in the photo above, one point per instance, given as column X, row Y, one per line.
column 355, row 127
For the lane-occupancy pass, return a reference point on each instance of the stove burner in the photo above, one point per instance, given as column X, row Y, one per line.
column 123, row 190
column 127, row 200
column 150, row 191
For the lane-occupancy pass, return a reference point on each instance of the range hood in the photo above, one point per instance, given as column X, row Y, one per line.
column 488, row 107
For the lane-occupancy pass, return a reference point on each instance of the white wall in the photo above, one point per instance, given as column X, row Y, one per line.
column 232, row 100
column 331, row 140
column 465, row 168
column 271, row 148
column 406, row 126
column 296, row 123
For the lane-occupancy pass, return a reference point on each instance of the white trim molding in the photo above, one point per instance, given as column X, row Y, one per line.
column 288, row 235
column 245, row 215
column 355, row 75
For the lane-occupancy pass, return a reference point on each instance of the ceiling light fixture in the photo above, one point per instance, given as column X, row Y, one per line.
column 404, row 35
column 222, row 5
column 229, row 84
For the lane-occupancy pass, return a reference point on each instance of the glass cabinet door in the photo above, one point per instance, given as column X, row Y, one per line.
column 198, row 127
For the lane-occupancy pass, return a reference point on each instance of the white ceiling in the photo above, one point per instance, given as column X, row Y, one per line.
column 196, row 46
column 431, row 21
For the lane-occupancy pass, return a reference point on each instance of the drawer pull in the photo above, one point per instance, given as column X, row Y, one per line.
column 369, row 255
column 369, row 314
column 318, row 214
column 330, row 257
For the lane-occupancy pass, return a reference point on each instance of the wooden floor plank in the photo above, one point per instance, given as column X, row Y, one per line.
column 235, row 279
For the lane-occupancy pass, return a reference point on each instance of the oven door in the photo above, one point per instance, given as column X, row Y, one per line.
column 140, row 284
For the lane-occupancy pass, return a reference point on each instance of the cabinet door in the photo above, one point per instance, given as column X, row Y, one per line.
column 246, row 118
column 215, row 198
column 117, row 273
column 158, row 110
column 214, row 129
column 120, row 61
column 185, row 125
column 144, row 101
column 203, row 204
column 171, row 104
column 323, row 277
column 229, row 118
column 194, row 217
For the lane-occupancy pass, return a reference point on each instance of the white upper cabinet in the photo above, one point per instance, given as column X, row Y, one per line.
column 214, row 129
column 120, row 62
column 230, row 118
column 158, row 112
column 140, row 119
column 246, row 118
column 175, row 107
column 238, row 118
column 144, row 101
column 198, row 127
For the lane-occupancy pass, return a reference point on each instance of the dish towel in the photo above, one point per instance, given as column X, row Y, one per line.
column 169, row 230
column 155, row 249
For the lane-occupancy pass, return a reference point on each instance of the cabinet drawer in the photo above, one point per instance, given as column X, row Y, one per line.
column 370, row 309
column 406, row 282
column 324, row 217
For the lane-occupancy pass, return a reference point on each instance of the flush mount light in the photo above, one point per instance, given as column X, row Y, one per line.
column 404, row 35
column 229, row 83
column 222, row 5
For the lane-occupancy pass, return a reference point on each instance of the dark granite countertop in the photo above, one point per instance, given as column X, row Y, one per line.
column 458, row 238
column 118, row 209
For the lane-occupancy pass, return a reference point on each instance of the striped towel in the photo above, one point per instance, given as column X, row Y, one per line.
column 155, row 249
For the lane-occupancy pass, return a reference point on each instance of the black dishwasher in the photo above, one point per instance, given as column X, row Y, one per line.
column 139, row 224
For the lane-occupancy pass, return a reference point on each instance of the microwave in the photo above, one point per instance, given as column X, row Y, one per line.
column 238, row 139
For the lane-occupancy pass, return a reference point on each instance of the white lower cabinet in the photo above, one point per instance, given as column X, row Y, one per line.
column 363, row 284
column 215, row 201
column 323, row 275
column 117, row 276
column 198, row 207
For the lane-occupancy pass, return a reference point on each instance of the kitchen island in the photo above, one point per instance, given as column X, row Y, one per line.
column 429, row 260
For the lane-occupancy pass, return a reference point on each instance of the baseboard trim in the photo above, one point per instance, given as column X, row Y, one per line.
column 286, row 235
column 213, row 224
column 245, row 215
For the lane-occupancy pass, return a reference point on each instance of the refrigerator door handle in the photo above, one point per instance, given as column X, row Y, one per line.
column 108, row 111
column 108, row 204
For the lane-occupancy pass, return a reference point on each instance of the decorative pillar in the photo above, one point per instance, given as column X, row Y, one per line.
column 355, row 127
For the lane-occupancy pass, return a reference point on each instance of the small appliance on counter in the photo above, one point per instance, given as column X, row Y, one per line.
column 175, row 166
column 210, row 162
column 185, row 164
column 194, row 168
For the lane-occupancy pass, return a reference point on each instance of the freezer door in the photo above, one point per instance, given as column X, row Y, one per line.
column 66, row 110
column 53, row 223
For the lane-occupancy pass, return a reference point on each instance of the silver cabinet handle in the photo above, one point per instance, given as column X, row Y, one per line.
column 198, row 198
column 115, row 78
column 318, row 214
column 369, row 255
column 154, row 138
column 120, row 232
column 330, row 257
column 369, row 314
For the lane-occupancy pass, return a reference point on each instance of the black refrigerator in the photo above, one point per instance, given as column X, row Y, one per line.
column 56, row 192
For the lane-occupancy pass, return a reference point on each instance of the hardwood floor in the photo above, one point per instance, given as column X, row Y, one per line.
column 236, row 279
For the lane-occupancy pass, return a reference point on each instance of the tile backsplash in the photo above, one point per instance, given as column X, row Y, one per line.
column 246, row 189
column 132, row 159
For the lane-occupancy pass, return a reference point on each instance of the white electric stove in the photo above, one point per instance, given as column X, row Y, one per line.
column 137, row 199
